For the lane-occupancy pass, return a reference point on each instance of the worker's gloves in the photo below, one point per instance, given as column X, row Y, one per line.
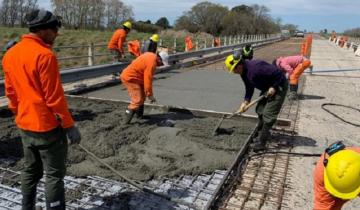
column 243, row 107
column 152, row 99
column 73, row 135
column 271, row 92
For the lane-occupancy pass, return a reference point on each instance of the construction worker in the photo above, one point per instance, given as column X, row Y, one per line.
column 36, row 97
column 247, row 52
column 336, row 177
column 150, row 45
column 271, row 82
column 118, row 39
column 137, row 78
column 293, row 67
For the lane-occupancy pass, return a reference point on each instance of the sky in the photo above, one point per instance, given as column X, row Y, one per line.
column 310, row 15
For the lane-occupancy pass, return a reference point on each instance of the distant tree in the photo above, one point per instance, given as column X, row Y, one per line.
column 237, row 23
column 325, row 31
column 163, row 23
column 291, row 27
column 12, row 12
column 184, row 22
column 142, row 26
column 116, row 13
column 92, row 14
column 253, row 19
column 4, row 11
column 27, row 6
column 243, row 9
column 204, row 16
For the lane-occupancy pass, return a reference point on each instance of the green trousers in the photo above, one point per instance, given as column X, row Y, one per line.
column 269, row 108
column 44, row 151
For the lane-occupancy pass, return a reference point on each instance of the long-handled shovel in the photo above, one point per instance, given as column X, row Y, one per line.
column 215, row 131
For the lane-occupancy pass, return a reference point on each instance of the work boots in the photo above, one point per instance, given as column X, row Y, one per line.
column 28, row 201
column 140, row 112
column 129, row 113
column 260, row 141
column 56, row 205
column 293, row 92
column 259, row 126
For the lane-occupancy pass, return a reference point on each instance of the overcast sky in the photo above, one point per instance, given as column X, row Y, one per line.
column 312, row 15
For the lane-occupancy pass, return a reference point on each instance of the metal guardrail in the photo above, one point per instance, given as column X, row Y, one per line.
column 178, row 60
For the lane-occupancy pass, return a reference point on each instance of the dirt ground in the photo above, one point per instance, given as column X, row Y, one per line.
column 285, row 48
column 320, row 126
column 323, row 129
column 166, row 144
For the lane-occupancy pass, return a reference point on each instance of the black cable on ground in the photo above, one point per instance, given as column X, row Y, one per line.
column 335, row 115
column 286, row 153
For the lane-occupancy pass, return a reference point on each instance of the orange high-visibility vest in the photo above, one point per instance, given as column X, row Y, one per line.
column 33, row 86
column 141, row 71
column 117, row 40
column 216, row 42
column 188, row 43
column 134, row 47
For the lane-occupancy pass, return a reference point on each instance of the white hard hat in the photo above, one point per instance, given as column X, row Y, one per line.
column 164, row 57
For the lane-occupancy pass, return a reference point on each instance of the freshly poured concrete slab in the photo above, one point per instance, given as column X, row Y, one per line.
column 164, row 144
column 201, row 89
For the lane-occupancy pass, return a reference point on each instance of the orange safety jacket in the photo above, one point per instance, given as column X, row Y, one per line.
column 188, row 43
column 134, row 48
column 323, row 200
column 141, row 71
column 117, row 40
column 33, row 86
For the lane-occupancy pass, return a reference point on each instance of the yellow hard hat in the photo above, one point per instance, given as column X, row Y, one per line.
column 128, row 25
column 231, row 63
column 342, row 174
column 155, row 38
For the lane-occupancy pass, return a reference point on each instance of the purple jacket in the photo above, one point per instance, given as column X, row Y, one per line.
column 261, row 75
column 289, row 63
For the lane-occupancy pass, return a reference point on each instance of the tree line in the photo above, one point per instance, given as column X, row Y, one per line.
column 205, row 16
column 78, row 14
column 219, row 20
column 12, row 12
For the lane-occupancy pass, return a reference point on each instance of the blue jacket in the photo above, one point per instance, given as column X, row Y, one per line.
column 261, row 75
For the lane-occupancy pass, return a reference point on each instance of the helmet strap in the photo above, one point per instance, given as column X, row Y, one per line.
column 332, row 149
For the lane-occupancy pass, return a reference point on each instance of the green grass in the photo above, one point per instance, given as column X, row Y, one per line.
column 85, row 37
column 70, row 38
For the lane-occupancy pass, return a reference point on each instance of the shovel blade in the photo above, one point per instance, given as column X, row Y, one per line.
column 215, row 131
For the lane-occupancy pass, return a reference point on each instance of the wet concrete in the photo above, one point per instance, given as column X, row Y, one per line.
column 205, row 87
column 145, row 149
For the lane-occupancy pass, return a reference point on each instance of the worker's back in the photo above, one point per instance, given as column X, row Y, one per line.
column 114, row 41
column 140, row 68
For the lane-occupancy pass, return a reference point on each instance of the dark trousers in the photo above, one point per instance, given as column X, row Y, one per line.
column 116, row 54
column 269, row 108
column 44, row 151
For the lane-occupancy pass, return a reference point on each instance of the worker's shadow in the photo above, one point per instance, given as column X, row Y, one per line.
column 167, row 119
column 287, row 141
column 11, row 150
column 5, row 113
column 82, row 115
column 137, row 200
column 310, row 97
